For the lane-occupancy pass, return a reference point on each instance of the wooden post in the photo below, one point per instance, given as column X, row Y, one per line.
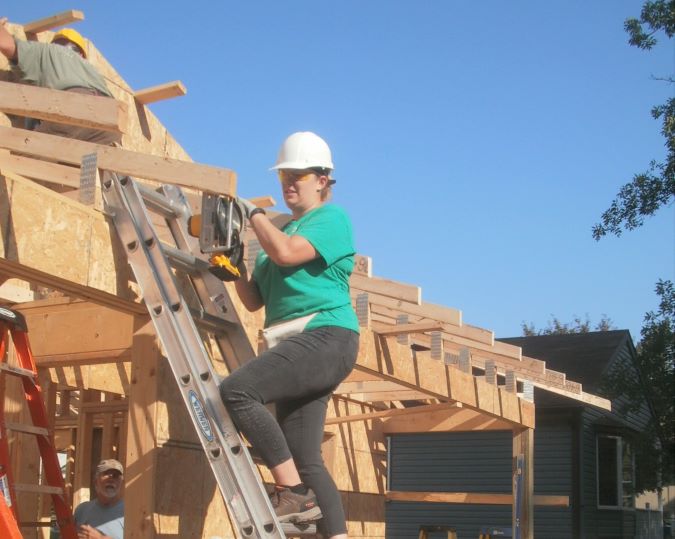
column 523, row 444
column 83, row 447
column 141, row 443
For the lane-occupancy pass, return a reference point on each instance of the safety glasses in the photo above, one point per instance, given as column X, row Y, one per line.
column 292, row 176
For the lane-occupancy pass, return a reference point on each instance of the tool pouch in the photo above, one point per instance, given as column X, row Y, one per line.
column 274, row 334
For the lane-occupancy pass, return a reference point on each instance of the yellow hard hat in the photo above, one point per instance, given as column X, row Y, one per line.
column 73, row 36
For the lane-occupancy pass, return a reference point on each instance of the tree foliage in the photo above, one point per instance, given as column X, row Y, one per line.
column 655, row 365
column 556, row 327
column 655, row 188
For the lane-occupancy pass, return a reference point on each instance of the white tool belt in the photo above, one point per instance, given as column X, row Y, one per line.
column 274, row 334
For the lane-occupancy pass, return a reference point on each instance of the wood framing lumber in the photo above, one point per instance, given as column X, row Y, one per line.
column 394, row 412
column 60, row 19
column 263, row 202
column 384, row 357
column 406, row 329
column 473, row 498
column 14, row 269
column 425, row 310
column 135, row 164
column 56, row 328
column 72, row 108
column 44, row 171
column 160, row 92
column 384, row 287
column 12, row 293
column 443, row 419
column 363, row 265
column 523, row 449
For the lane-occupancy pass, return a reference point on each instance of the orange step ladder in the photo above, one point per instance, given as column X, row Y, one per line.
column 13, row 324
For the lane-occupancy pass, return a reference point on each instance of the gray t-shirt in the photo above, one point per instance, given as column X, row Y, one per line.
column 57, row 67
column 108, row 520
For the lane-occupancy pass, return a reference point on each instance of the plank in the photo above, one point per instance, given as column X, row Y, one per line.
column 425, row 310
column 44, row 171
column 474, row 498
column 406, row 329
column 14, row 269
column 384, row 287
column 160, row 92
column 54, row 21
column 59, row 106
column 135, row 164
column 451, row 419
column 141, row 454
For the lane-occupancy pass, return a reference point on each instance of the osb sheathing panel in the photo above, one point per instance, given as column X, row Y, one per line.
column 359, row 462
column 53, row 234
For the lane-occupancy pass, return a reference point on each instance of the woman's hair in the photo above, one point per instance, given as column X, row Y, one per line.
column 327, row 191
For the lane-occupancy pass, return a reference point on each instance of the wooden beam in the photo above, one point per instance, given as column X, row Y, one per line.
column 71, row 108
column 425, row 310
column 61, row 19
column 523, row 446
column 41, row 170
column 144, row 166
column 263, row 202
column 406, row 329
column 141, row 455
column 414, row 410
column 384, row 287
column 82, row 330
column 446, row 419
column 160, row 92
column 473, row 498
column 14, row 269
column 363, row 265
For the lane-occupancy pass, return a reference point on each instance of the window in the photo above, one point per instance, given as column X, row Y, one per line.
column 616, row 472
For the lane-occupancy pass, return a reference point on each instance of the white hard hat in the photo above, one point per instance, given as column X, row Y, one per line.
column 304, row 150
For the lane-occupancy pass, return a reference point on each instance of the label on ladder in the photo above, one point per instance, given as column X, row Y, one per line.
column 4, row 487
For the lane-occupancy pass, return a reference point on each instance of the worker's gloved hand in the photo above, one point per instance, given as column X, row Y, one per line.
column 246, row 206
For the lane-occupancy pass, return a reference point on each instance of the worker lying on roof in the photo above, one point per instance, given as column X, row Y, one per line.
column 60, row 65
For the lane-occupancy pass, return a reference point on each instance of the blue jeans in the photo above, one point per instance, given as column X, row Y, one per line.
column 299, row 374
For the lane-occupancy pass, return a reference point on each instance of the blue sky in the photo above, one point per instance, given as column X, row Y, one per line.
column 475, row 143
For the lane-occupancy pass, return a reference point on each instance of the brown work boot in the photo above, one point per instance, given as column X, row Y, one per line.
column 292, row 507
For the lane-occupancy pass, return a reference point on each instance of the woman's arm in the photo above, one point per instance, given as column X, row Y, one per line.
column 283, row 250
column 247, row 290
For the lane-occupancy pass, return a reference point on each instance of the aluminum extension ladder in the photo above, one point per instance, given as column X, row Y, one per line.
column 13, row 324
column 128, row 203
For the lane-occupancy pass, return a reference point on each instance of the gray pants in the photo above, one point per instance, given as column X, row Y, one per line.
column 299, row 374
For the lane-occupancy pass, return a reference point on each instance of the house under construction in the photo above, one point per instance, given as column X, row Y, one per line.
column 108, row 389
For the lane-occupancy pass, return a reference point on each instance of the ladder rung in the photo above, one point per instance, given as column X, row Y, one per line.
column 45, row 524
column 17, row 371
column 295, row 530
column 186, row 262
column 28, row 429
column 40, row 489
column 210, row 322
column 158, row 201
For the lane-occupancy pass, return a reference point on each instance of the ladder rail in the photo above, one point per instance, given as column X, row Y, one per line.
column 233, row 468
column 55, row 484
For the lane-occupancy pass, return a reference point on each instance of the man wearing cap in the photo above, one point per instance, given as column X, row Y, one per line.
column 60, row 65
column 103, row 517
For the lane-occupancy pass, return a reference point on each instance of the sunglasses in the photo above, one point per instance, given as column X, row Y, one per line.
column 292, row 176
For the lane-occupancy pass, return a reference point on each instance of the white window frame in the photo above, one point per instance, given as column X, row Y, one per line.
column 620, row 443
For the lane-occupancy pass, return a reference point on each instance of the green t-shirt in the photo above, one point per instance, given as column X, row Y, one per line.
column 318, row 286
column 57, row 67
